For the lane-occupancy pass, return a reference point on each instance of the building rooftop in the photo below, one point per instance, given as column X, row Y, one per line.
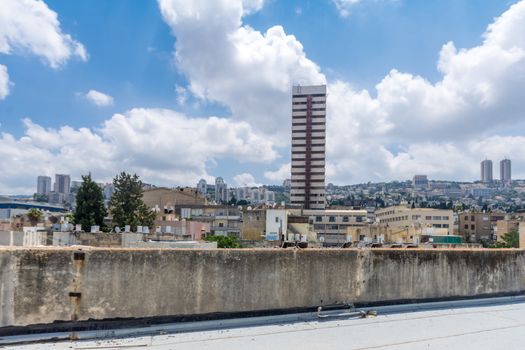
column 496, row 323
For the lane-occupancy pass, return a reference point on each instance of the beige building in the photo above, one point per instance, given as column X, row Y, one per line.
column 384, row 233
column 253, row 225
column 477, row 226
column 331, row 226
column 505, row 226
column 164, row 200
column 402, row 216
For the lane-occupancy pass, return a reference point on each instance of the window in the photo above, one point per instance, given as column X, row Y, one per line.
column 359, row 219
column 466, row 227
column 318, row 218
column 334, row 227
column 428, row 217
column 332, row 219
column 445, row 218
column 436, row 225
column 472, row 218
column 445, row 226
column 221, row 224
column 345, row 219
column 472, row 227
column 436, row 218
column 276, row 219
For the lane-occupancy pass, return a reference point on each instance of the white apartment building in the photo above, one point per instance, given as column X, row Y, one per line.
column 308, row 146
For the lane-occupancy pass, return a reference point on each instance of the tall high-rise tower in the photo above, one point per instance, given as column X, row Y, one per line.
column 308, row 146
column 505, row 171
column 486, row 171
column 43, row 186
column 62, row 183
column 202, row 187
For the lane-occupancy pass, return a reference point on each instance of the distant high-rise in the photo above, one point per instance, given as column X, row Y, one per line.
column 202, row 187
column 486, row 171
column 420, row 181
column 62, row 183
column 308, row 146
column 221, row 190
column 43, row 186
column 505, row 171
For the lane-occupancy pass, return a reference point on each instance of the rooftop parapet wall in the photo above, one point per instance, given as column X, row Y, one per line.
column 48, row 284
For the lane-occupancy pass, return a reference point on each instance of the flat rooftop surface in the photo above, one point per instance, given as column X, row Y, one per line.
column 480, row 327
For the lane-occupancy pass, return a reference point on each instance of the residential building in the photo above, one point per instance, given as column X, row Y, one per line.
column 43, row 185
column 486, row 171
column 478, row 226
column 506, row 226
column 62, row 183
column 202, row 187
column 403, row 216
column 241, row 193
column 224, row 220
column 505, row 171
column 221, row 191
column 420, row 181
column 331, row 225
column 287, row 184
column 253, row 226
column 164, row 200
column 308, row 147
column 289, row 225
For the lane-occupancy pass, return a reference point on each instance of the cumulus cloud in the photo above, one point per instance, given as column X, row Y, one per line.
column 162, row 146
column 4, row 82
column 245, row 179
column 410, row 125
column 31, row 26
column 279, row 175
column 235, row 65
column 99, row 98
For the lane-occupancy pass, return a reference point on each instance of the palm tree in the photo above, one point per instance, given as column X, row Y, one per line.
column 34, row 215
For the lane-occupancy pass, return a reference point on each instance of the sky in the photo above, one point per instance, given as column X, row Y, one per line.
column 179, row 90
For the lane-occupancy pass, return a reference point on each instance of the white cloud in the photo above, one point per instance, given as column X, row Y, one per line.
column 162, row 146
column 31, row 26
column 182, row 94
column 387, row 134
column 279, row 175
column 4, row 82
column 343, row 6
column 443, row 128
column 245, row 179
column 232, row 64
column 99, row 98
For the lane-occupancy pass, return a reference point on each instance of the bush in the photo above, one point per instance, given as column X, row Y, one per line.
column 224, row 241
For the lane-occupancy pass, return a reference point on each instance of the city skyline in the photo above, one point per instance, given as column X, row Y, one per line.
column 124, row 103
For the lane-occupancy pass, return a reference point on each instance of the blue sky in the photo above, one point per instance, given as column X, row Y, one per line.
column 130, row 56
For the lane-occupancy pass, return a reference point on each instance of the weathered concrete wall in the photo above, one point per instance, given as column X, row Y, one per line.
column 47, row 284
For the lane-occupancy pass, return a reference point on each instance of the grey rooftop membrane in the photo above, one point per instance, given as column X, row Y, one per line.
column 482, row 324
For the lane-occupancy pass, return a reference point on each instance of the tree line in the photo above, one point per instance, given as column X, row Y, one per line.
column 125, row 208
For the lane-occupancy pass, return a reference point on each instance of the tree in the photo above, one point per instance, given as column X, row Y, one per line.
column 126, row 206
column 40, row 197
column 90, row 210
column 233, row 201
column 224, row 241
column 34, row 215
column 510, row 240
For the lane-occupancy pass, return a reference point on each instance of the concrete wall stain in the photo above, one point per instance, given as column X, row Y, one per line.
column 96, row 283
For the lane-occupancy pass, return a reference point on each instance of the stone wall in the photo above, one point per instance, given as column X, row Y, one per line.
column 43, row 285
